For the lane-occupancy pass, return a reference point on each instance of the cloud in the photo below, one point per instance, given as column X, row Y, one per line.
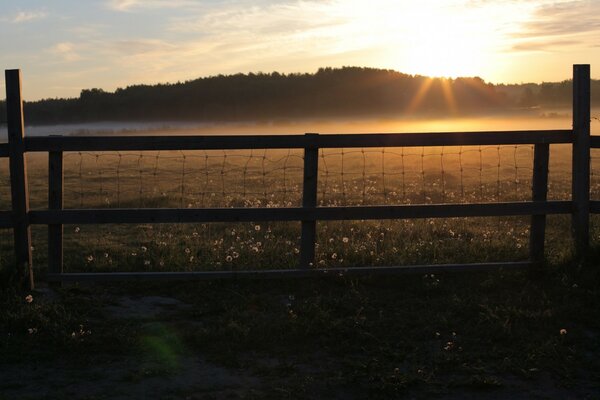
column 66, row 51
column 27, row 16
column 581, row 17
column 129, row 5
column 544, row 45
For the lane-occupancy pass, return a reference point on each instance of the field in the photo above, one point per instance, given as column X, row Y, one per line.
column 273, row 178
column 493, row 335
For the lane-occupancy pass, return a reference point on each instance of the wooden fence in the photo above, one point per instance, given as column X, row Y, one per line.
column 20, row 218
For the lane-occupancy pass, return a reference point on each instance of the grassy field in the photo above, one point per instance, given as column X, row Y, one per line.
column 274, row 179
column 450, row 336
column 486, row 335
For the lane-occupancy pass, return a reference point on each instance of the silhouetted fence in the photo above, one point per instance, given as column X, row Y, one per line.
column 20, row 218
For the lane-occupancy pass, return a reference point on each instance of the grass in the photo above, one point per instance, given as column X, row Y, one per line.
column 273, row 179
column 488, row 334
column 496, row 334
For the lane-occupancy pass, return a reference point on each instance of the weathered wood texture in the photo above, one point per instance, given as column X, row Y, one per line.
column 581, row 157
column 141, row 143
column 537, row 232
column 309, row 201
column 18, row 175
column 191, row 215
column 55, row 202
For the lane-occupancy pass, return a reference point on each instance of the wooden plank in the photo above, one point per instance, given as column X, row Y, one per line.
column 55, row 202
column 537, row 232
column 287, row 273
column 18, row 175
column 141, row 143
column 191, row 215
column 3, row 149
column 309, row 201
column 581, row 157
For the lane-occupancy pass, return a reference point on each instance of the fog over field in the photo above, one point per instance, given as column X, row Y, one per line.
column 537, row 119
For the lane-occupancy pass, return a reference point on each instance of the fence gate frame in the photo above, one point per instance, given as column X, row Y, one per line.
column 20, row 217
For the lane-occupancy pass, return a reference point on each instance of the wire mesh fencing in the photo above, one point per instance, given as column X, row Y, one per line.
column 273, row 178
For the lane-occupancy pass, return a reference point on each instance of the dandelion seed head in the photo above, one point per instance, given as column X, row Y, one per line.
column 228, row 258
column 257, row 228
column 28, row 298
column 563, row 332
column 90, row 258
column 345, row 239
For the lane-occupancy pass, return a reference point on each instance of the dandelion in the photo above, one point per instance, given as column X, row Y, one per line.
column 228, row 258
column 334, row 256
column 144, row 249
column 77, row 229
column 257, row 228
column 563, row 332
column 29, row 298
column 236, row 254
column 105, row 255
column 32, row 331
column 133, row 253
column 90, row 258
column 296, row 250
column 146, row 262
column 187, row 250
column 161, row 263
column 345, row 239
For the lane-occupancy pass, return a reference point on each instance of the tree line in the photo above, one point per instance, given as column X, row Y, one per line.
column 331, row 92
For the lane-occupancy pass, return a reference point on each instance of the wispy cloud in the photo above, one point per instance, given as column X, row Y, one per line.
column 27, row 16
column 560, row 24
column 66, row 51
column 130, row 5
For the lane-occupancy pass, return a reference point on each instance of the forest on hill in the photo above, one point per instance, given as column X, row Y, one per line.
column 330, row 92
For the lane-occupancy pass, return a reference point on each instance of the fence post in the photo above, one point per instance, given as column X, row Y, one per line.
column 55, row 202
column 581, row 157
column 18, row 175
column 309, row 200
column 541, row 155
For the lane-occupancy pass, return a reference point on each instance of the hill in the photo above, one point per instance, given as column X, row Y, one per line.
column 331, row 92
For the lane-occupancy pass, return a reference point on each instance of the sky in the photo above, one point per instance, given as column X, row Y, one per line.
column 65, row 46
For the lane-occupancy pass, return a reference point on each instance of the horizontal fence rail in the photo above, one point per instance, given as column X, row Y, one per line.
column 241, row 142
column 21, row 217
column 186, row 215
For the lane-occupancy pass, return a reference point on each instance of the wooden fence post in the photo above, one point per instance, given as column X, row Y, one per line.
column 18, row 175
column 537, row 232
column 55, row 202
column 309, row 200
column 581, row 157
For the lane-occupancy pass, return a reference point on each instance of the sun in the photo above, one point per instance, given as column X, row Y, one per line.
column 444, row 44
